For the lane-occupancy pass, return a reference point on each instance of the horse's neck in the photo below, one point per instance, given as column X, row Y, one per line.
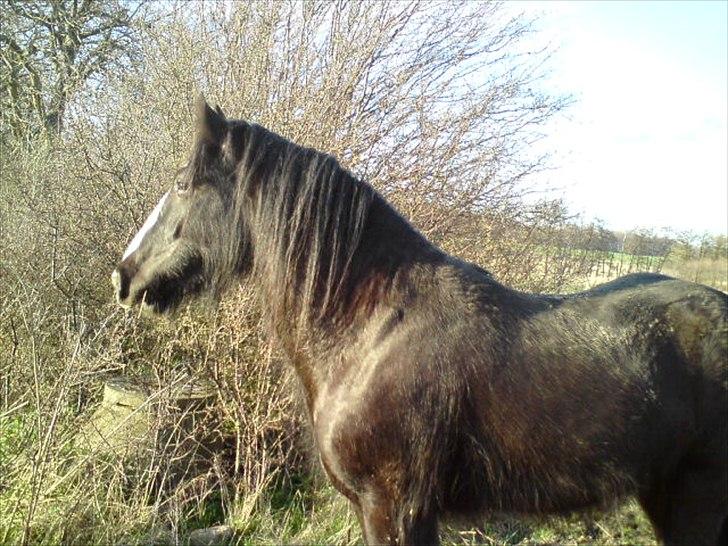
column 389, row 247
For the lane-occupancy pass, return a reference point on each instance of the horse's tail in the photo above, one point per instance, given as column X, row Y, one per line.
column 715, row 345
column 714, row 363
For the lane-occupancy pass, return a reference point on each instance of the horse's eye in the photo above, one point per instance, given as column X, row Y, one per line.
column 181, row 187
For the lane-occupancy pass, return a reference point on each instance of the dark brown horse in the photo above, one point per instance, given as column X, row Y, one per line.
column 433, row 389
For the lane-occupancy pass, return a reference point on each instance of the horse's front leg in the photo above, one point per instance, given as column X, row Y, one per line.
column 386, row 522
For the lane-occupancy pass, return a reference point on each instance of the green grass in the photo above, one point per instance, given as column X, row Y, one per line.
column 296, row 512
column 303, row 510
column 319, row 515
column 328, row 520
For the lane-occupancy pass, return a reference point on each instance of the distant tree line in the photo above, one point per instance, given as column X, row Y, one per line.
column 614, row 252
column 647, row 242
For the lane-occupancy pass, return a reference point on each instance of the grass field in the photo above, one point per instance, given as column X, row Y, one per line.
column 321, row 516
column 604, row 267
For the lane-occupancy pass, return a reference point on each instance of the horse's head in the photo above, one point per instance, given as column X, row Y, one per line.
column 174, row 253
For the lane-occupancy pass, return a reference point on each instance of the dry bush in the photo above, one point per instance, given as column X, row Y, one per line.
column 699, row 258
column 537, row 248
column 432, row 103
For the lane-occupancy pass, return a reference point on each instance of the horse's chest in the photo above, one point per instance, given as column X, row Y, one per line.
column 338, row 453
column 346, row 429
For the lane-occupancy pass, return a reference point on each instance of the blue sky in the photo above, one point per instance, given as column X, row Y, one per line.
column 646, row 142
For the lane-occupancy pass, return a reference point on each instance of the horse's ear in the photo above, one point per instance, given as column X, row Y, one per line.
column 211, row 124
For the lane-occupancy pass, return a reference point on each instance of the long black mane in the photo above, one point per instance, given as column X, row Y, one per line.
column 312, row 226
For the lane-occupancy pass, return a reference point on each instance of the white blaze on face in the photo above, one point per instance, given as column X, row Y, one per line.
column 148, row 224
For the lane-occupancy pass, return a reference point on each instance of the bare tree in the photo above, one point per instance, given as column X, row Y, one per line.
column 50, row 49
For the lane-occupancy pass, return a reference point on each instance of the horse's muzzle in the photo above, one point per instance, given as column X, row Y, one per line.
column 120, row 280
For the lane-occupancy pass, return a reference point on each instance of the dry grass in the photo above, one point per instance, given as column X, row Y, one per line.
column 710, row 271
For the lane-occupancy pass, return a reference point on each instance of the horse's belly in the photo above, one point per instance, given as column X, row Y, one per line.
column 548, row 489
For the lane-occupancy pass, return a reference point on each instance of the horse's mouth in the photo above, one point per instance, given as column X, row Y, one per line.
column 152, row 305
column 153, row 299
column 164, row 296
column 164, row 293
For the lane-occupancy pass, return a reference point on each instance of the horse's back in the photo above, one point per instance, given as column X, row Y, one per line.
column 593, row 390
column 678, row 329
column 693, row 316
